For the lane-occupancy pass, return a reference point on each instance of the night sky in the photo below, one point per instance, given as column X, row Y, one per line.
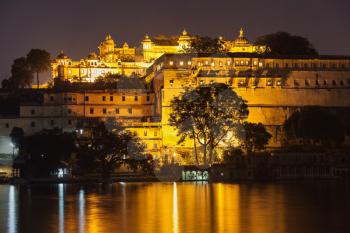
column 78, row 26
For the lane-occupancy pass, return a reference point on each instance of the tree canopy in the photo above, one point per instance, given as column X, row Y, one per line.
column 209, row 115
column 21, row 75
column 205, row 45
column 38, row 61
column 314, row 126
column 283, row 43
column 256, row 137
column 105, row 146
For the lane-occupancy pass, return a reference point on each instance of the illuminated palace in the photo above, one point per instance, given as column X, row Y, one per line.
column 274, row 87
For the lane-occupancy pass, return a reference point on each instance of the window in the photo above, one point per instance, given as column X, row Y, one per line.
column 130, row 110
column 341, row 83
column 148, row 98
column 52, row 98
column 117, row 111
column 155, row 133
column 32, row 111
column 334, row 83
column 103, row 98
column 171, row 82
column 136, row 98
column 7, row 125
column 123, row 97
column 104, row 111
column 111, row 98
column 324, row 82
column 286, row 65
column 69, row 122
column 87, row 98
column 52, row 122
column 307, row 83
column 317, row 83
column 296, row 83
column 91, row 110
column 269, row 82
column 145, row 133
column 155, row 146
column 32, row 124
column 69, row 111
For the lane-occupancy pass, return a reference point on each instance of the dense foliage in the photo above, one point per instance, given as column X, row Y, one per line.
column 209, row 115
column 314, row 126
column 206, row 45
column 283, row 43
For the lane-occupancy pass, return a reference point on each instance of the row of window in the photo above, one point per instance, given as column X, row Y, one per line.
column 116, row 111
column 111, row 98
column 319, row 82
column 65, row 99
column 279, row 82
column 267, row 65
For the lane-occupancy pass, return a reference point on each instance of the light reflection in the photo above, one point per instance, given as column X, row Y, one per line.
column 12, row 211
column 81, row 211
column 175, row 210
column 60, row 208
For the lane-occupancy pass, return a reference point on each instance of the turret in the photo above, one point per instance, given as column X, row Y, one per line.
column 107, row 49
column 184, row 40
column 147, row 43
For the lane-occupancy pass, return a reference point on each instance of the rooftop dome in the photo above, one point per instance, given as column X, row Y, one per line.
column 241, row 40
column 61, row 55
column 92, row 56
column 147, row 39
column 109, row 40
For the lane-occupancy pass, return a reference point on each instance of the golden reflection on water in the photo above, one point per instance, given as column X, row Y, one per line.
column 158, row 207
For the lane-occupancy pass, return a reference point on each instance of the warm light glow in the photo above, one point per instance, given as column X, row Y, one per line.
column 61, row 208
column 12, row 210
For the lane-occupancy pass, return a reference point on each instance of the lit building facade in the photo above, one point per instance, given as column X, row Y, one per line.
column 274, row 87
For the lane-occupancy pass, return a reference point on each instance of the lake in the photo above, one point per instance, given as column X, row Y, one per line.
column 322, row 206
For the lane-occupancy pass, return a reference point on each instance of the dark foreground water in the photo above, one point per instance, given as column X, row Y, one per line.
column 176, row 207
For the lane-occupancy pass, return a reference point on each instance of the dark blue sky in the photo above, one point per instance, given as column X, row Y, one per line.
column 77, row 26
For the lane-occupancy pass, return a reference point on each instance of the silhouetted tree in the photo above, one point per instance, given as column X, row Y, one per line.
column 283, row 43
column 16, row 136
column 39, row 61
column 21, row 75
column 231, row 154
column 256, row 137
column 104, row 147
column 314, row 126
column 47, row 151
column 205, row 45
column 209, row 115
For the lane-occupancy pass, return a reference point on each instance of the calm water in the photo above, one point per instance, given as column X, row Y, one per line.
column 176, row 207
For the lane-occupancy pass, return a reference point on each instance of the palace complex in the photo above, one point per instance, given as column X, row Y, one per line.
column 161, row 68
